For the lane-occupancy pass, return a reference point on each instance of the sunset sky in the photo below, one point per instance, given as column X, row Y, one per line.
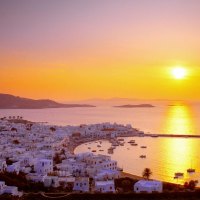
column 81, row 49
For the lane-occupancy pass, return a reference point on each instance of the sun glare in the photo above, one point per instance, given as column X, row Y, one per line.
column 179, row 72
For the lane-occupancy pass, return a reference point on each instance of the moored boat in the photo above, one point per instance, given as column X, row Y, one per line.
column 131, row 141
column 134, row 144
column 191, row 170
column 110, row 150
column 178, row 174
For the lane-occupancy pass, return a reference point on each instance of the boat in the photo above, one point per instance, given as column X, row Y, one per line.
column 115, row 144
column 143, row 147
column 120, row 139
column 178, row 174
column 110, row 150
column 143, row 156
column 101, row 150
column 134, row 144
column 191, row 170
column 131, row 141
column 94, row 150
column 89, row 147
column 98, row 145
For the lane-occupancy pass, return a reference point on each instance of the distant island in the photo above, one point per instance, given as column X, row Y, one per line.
column 135, row 106
column 8, row 101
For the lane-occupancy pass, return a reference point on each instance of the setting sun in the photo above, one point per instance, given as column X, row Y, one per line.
column 179, row 72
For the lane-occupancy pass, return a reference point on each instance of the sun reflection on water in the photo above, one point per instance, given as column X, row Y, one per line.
column 179, row 120
column 180, row 153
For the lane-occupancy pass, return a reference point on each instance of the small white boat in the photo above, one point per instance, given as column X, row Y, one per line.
column 143, row 147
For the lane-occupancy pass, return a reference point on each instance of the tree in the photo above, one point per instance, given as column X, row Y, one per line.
column 126, row 185
column 192, row 184
column 57, row 159
column 186, row 185
column 147, row 173
column 16, row 142
column 52, row 129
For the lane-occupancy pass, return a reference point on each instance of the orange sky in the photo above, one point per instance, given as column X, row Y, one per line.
column 70, row 50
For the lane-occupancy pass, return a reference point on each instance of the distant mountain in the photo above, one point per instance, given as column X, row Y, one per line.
column 121, row 101
column 8, row 101
column 135, row 106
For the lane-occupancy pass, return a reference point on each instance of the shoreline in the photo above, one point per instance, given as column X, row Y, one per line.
column 123, row 173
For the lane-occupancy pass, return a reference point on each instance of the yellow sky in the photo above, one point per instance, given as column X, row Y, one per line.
column 73, row 50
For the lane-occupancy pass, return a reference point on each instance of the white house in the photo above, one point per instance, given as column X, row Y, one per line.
column 35, row 177
column 3, row 165
column 107, row 174
column 43, row 166
column 105, row 186
column 4, row 189
column 2, row 186
column 51, row 181
column 81, row 184
column 11, row 190
column 15, row 167
column 148, row 186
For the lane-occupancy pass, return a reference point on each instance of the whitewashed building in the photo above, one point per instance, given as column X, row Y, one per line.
column 51, row 181
column 15, row 167
column 107, row 174
column 3, row 165
column 81, row 184
column 2, row 186
column 43, row 166
column 4, row 189
column 105, row 186
column 148, row 186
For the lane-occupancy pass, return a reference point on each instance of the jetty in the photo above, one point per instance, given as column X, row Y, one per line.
column 170, row 135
